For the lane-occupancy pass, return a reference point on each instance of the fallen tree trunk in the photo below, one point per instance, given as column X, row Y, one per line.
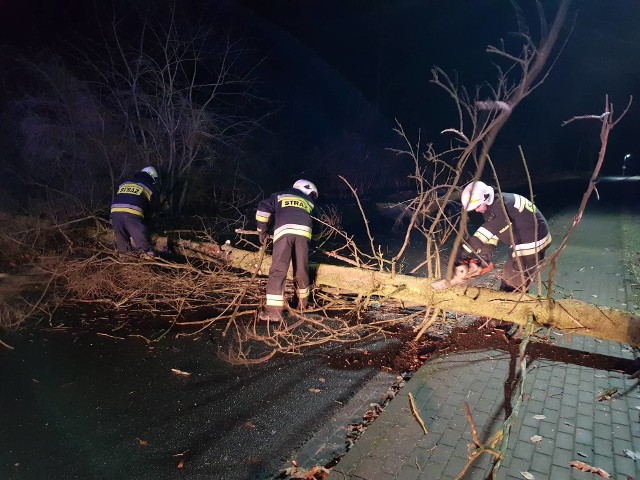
column 566, row 314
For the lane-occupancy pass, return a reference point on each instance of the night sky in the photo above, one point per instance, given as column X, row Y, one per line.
column 387, row 49
column 335, row 59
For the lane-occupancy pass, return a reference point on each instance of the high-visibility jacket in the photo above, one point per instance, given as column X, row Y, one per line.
column 523, row 221
column 292, row 213
column 134, row 196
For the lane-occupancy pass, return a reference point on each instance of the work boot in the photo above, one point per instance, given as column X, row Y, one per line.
column 505, row 287
column 270, row 316
column 302, row 305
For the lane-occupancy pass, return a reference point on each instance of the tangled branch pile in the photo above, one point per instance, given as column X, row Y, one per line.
column 48, row 272
column 151, row 286
column 203, row 295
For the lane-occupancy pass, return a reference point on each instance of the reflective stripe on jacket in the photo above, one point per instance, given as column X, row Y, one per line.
column 134, row 196
column 292, row 211
column 523, row 221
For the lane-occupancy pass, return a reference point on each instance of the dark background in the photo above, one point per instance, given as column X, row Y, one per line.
column 338, row 74
column 387, row 49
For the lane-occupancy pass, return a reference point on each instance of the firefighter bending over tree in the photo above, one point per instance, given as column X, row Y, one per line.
column 129, row 210
column 523, row 222
column 293, row 226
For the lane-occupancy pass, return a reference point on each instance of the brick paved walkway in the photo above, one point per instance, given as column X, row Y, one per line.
column 560, row 403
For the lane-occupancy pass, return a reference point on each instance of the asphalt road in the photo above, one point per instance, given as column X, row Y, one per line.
column 88, row 406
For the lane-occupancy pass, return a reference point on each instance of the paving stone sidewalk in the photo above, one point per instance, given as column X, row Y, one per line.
column 560, row 402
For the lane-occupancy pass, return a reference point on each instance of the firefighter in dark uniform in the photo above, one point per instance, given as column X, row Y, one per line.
column 523, row 222
column 129, row 210
column 291, row 213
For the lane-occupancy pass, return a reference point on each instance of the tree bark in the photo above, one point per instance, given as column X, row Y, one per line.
column 568, row 315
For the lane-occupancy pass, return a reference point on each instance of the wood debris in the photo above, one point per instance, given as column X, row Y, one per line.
column 588, row 468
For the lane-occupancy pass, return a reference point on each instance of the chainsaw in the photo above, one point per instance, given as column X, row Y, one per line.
column 463, row 272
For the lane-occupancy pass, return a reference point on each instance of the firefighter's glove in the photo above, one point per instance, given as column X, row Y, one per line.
column 264, row 236
column 467, row 268
column 475, row 269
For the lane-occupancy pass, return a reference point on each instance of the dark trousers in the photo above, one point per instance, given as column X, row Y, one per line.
column 516, row 280
column 128, row 228
column 286, row 250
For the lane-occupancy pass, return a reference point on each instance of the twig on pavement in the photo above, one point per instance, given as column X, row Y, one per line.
column 414, row 410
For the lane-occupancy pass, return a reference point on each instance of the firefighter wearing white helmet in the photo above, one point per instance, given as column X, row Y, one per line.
column 291, row 213
column 507, row 216
column 476, row 194
column 153, row 173
column 306, row 187
column 130, row 211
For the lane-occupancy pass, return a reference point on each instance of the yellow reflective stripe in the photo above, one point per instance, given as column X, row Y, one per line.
column 303, row 292
column 275, row 300
column 127, row 210
column 262, row 216
column 135, row 189
column 521, row 203
column 472, row 204
column 295, row 201
column 486, row 237
column 483, row 234
column 531, row 248
column 292, row 229
column 130, row 189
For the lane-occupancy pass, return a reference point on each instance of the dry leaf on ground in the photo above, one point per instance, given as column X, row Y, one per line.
column 608, row 394
column 314, row 473
column 588, row 468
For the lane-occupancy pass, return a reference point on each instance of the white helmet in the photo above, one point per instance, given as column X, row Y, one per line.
column 153, row 173
column 306, row 187
column 476, row 194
